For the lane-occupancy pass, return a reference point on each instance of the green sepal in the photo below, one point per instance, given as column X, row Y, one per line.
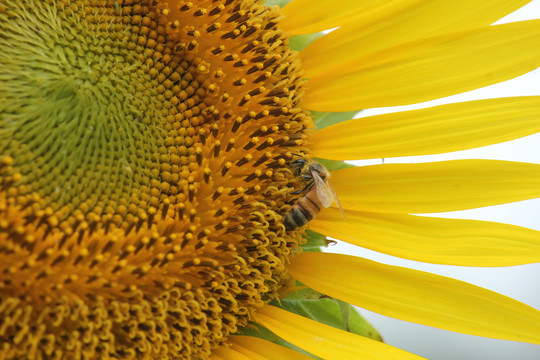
column 326, row 310
column 280, row 3
column 258, row 331
column 321, row 308
column 314, row 241
column 333, row 165
column 300, row 42
column 324, row 119
column 359, row 325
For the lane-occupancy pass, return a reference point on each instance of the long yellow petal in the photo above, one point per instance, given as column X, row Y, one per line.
column 215, row 357
column 418, row 296
column 425, row 69
column 394, row 17
column 236, row 352
column 388, row 25
column 435, row 187
column 307, row 16
column 323, row 340
column 433, row 130
column 433, row 240
column 268, row 349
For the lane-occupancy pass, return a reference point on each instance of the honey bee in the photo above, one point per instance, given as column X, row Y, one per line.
column 318, row 193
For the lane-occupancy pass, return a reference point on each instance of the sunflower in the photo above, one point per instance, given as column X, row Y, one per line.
column 150, row 152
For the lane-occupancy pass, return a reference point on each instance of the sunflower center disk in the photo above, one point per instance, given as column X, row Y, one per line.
column 144, row 163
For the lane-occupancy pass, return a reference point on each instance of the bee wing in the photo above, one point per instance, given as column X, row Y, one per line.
column 324, row 192
column 334, row 196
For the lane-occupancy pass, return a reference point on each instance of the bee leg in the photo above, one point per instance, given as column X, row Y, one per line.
column 308, row 186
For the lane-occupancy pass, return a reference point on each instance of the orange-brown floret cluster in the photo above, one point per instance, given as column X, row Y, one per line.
column 145, row 152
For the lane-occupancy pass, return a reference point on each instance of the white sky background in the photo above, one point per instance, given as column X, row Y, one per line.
column 519, row 282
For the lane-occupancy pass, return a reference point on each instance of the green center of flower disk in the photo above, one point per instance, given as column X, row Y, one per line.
column 145, row 170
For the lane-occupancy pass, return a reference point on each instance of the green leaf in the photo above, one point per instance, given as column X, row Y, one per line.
column 324, row 119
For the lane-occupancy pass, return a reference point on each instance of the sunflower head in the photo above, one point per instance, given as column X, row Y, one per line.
column 154, row 181
column 145, row 171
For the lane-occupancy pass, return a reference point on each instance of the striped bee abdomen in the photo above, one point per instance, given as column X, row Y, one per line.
column 303, row 211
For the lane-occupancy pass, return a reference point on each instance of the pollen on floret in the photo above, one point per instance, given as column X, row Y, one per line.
column 144, row 176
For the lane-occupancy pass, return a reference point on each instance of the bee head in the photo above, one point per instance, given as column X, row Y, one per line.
column 319, row 169
column 298, row 165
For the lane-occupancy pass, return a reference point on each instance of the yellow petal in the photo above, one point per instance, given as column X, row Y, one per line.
column 425, row 69
column 268, row 349
column 418, row 296
column 387, row 25
column 433, row 240
column 435, row 187
column 323, row 340
column 433, row 130
column 308, row 16
column 236, row 352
